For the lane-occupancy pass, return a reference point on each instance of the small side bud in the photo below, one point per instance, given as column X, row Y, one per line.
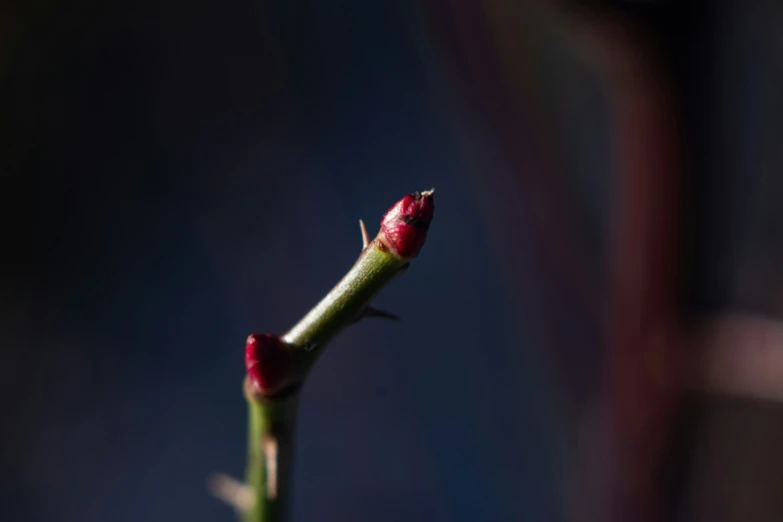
column 268, row 363
column 404, row 226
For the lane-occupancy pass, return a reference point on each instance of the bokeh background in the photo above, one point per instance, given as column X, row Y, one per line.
column 176, row 175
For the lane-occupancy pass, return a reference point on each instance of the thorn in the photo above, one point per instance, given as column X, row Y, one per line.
column 374, row 312
column 270, row 452
column 365, row 235
column 382, row 314
column 402, row 269
column 236, row 494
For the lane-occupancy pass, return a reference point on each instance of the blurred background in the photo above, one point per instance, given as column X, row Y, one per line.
column 591, row 332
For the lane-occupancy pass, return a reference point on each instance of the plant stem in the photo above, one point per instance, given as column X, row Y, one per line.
column 269, row 456
column 272, row 419
column 373, row 270
column 273, row 396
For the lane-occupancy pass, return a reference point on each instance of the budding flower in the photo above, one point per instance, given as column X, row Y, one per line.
column 268, row 363
column 404, row 226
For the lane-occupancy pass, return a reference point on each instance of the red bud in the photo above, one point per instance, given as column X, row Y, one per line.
column 404, row 226
column 268, row 362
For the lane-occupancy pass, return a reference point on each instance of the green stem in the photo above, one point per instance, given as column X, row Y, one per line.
column 373, row 270
column 272, row 419
column 270, row 457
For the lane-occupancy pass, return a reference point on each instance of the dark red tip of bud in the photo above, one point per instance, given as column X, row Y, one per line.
column 404, row 226
column 268, row 362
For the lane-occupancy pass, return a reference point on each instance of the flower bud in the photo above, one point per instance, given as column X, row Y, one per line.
column 404, row 226
column 268, row 362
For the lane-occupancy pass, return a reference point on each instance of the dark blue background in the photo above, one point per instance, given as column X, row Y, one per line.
column 194, row 172
column 179, row 174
